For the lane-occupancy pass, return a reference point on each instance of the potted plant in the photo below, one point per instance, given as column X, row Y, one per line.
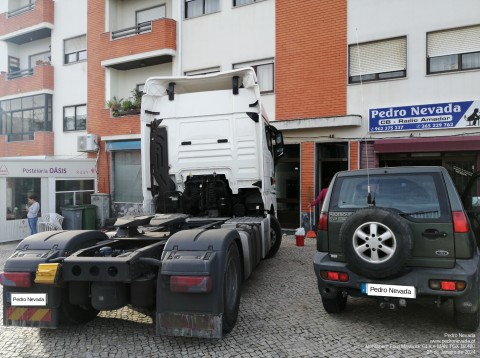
column 42, row 63
column 114, row 103
column 137, row 97
column 127, row 107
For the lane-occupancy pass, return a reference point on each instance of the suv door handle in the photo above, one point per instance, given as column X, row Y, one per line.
column 433, row 234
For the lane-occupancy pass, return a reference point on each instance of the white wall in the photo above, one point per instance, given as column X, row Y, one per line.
column 70, row 80
column 378, row 19
column 233, row 35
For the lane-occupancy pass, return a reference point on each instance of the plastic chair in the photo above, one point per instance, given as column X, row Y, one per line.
column 50, row 222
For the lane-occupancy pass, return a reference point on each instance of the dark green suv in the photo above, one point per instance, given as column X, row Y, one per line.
column 400, row 235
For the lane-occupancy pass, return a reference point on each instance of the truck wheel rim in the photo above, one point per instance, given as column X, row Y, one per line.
column 231, row 285
column 374, row 242
column 273, row 237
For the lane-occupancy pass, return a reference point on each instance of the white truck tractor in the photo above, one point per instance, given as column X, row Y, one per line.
column 208, row 159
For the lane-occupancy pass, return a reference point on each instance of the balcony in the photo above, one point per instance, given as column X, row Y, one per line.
column 27, row 23
column 147, row 44
column 27, row 80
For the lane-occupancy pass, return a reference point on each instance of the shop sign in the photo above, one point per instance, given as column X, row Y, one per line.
column 427, row 116
column 38, row 169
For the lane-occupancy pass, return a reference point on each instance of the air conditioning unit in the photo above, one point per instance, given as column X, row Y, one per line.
column 87, row 143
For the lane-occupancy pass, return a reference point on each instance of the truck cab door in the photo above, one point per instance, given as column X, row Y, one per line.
column 471, row 204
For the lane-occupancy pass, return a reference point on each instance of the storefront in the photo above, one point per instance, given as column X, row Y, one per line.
column 55, row 183
column 456, row 151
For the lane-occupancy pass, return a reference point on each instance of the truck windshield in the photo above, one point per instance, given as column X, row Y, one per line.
column 407, row 193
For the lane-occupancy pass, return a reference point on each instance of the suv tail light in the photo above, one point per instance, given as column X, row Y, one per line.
column 323, row 222
column 334, row 276
column 447, row 285
column 191, row 284
column 16, row 279
column 460, row 222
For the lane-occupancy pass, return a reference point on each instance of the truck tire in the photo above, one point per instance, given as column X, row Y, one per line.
column 275, row 237
column 74, row 314
column 231, row 288
column 376, row 242
column 335, row 305
column 468, row 322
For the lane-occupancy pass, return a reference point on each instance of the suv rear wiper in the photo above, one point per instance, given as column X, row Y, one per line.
column 419, row 212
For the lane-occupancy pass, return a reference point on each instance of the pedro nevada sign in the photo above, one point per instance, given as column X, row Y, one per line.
column 428, row 116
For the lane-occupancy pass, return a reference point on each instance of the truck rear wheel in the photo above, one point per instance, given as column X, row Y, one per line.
column 75, row 314
column 231, row 288
column 275, row 237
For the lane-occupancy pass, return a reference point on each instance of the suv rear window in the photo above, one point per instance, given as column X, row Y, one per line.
column 408, row 193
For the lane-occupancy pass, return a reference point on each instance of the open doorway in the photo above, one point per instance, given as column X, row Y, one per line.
column 332, row 158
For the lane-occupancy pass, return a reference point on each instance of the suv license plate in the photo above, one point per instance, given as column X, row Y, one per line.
column 28, row 299
column 374, row 289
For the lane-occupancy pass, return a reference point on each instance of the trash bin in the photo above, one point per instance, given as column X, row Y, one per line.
column 72, row 217
column 89, row 217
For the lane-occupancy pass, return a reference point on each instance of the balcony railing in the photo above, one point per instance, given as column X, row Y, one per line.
column 19, row 74
column 20, row 10
column 132, row 31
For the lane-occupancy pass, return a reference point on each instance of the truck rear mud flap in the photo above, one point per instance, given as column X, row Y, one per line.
column 189, row 325
column 30, row 317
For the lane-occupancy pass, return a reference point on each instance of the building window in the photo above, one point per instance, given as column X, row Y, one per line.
column 127, row 176
column 379, row 60
column 76, row 49
column 206, row 71
column 141, row 87
column 22, row 117
column 265, row 72
column 453, row 50
column 18, row 191
column 200, row 7
column 75, row 118
column 243, row 2
column 44, row 57
column 73, row 192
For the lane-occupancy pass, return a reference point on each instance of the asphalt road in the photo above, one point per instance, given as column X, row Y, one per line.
column 281, row 315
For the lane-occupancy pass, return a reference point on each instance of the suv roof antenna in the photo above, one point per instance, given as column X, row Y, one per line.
column 369, row 196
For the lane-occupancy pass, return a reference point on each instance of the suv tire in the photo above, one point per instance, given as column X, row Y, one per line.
column 467, row 321
column 335, row 305
column 376, row 242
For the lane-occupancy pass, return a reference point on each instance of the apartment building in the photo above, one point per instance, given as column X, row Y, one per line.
column 43, row 98
column 378, row 83
column 348, row 82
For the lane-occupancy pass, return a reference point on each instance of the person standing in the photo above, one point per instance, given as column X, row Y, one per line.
column 32, row 214
column 320, row 198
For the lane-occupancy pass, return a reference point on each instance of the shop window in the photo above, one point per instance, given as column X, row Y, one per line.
column 453, row 50
column 22, row 117
column 127, row 176
column 377, row 61
column 75, row 49
column 75, row 118
column 73, row 192
column 265, row 74
column 200, row 7
column 18, row 192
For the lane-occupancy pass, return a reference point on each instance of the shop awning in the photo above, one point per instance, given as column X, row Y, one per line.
column 111, row 146
column 439, row 144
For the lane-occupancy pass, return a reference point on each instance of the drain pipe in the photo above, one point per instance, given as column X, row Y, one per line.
column 179, row 39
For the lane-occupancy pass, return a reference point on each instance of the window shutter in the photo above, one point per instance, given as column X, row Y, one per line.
column 378, row 57
column 76, row 44
column 453, row 42
column 151, row 14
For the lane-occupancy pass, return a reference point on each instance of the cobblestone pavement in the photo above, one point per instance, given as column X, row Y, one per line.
column 281, row 315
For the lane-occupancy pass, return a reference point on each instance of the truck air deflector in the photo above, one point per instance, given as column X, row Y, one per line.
column 159, row 167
